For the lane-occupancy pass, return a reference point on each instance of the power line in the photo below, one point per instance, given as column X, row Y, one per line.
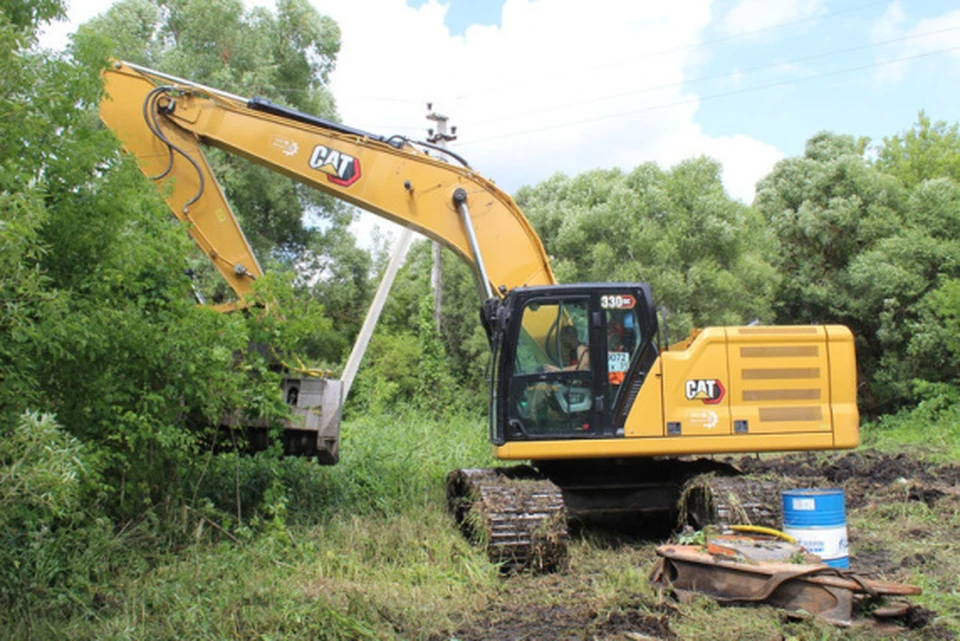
column 697, row 45
column 654, row 54
column 726, row 74
column 380, row 99
column 724, row 94
column 774, row 27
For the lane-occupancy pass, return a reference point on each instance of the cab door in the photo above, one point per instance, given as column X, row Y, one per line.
column 629, row 326
column 551, row 380
column 571, row 359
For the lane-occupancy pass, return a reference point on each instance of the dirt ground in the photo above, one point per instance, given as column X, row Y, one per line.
column 903, row 517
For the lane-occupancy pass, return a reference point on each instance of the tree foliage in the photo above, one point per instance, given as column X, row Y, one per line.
column 867, row 245
column 411, row 361
column 97, row 324
column 704, row 254
column 286, row 57
column 112, row 380
column 50, row 545
column 926, row 151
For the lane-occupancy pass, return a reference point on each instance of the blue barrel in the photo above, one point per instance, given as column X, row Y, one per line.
column 817, row 519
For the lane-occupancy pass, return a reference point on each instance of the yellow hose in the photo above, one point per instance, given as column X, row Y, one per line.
column 759, row 529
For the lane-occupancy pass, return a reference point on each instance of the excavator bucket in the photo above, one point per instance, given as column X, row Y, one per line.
column 314, row 429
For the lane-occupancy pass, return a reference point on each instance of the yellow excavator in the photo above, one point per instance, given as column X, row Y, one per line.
column 585, row 388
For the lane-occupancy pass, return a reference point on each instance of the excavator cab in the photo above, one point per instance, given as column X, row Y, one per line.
column 570, row 360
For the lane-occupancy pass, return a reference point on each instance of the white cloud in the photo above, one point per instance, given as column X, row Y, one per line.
column 56, row 35
column 553, row 88
column 748, row 17
column 928, row 36
column 889, row 24
column 745, row 160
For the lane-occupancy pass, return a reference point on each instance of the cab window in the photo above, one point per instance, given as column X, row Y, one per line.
column 551, row 390
column 623, row 342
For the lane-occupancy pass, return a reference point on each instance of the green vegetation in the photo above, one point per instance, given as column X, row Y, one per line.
column 363, row 550
column 705, row 255
column 932, row 427
column 120, row 520
column 859, row 247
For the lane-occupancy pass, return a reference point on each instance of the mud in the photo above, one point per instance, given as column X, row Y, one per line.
column 631, row 624
column 881, row 487
column 868, row 478
column 862, row 470
column 533, row 607
column 514, row 618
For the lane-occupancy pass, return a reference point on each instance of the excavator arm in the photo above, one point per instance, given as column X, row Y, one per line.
column 392, row 178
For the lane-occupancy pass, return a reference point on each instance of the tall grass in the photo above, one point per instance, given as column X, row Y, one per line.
column 932, row 427
column 288, row 549
column 389, row 465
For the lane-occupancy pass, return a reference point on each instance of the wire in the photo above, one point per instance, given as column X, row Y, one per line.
column 774, row 27
column 697, row 99
column 445, row 151
column 700, row 79
column 372, row 98
column 654, row 54
column 692, row 46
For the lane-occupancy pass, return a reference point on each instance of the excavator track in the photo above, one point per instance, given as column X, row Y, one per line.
column 714, row 499
column 518, row 517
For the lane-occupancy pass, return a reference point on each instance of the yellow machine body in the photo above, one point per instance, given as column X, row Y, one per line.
column 732, row 390
column 399, row 183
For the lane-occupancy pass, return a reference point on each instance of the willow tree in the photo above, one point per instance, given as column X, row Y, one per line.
column 871, row 245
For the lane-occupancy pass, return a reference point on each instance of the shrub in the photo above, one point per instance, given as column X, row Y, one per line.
column 51, row 549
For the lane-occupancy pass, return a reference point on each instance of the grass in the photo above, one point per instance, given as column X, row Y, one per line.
column 933, row 428
column 355, row 578
column 916, row 544
column 362, row 550
column 366, row 550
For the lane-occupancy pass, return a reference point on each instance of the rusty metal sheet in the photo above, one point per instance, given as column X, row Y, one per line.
column 733, row 578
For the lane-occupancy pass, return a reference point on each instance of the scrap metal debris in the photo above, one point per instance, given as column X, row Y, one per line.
column 738, row 569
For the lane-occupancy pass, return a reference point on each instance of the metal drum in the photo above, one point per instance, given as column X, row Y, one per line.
column 817, row 519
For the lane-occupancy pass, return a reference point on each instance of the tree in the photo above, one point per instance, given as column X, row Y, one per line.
column 96, row 328
column 927, row 150
column 408, row 360
column 287, row 58
column 859, row 247
column 97, row 325
column 704, row 254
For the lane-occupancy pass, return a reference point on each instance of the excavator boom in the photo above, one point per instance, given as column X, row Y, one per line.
column 388, row 177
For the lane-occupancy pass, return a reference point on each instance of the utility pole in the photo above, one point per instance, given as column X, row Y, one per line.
column 440, row 138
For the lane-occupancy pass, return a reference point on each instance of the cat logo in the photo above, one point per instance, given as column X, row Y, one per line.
column 710, row 391
column 340, row 168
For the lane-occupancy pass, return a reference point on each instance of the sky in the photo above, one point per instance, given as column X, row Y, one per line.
column 537, row 87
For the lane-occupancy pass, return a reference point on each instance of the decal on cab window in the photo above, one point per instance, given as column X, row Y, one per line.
column 618, row 301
